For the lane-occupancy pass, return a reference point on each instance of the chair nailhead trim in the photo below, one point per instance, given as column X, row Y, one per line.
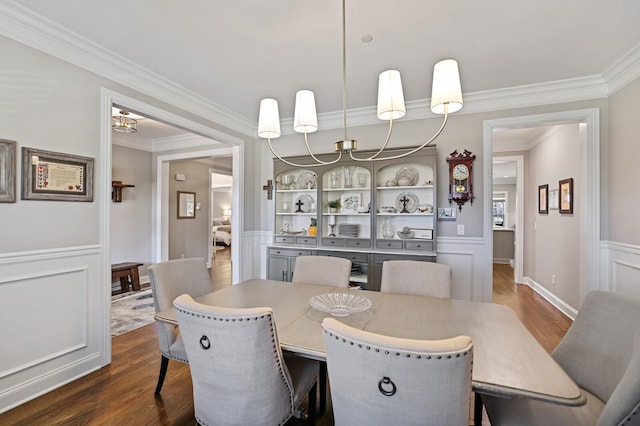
column 407, row 355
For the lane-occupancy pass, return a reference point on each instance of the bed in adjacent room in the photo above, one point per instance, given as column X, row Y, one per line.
column 221, row 230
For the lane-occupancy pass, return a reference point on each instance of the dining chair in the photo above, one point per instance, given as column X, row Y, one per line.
column 415, row 277
column 169, row 280
column 238, row 371
column 601, row 353
column 381, row 380
column 322, row 270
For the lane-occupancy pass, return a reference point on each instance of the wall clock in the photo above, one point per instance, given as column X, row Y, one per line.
column 461, row 177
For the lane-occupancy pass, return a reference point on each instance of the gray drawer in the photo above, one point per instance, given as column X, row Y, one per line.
column 307, row 241
column 288, row 252
column 389, row 244
column 284, row 239
column 419, row 245
column 353, row 257
column 333, row 242
column 381, row 258
column 358, row 242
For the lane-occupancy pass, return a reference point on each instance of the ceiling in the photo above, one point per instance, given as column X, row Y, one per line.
column 233, row 53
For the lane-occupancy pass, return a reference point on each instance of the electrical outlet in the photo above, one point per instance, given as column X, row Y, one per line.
column 553, row 279
column 460, row 229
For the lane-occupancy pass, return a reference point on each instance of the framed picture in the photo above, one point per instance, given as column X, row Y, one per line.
column 422, row 233
column 566, row 196
column 7, row 171
column 553, row 199
column 543, row 199
column 350, row 202
column 186, row 205
column 54, row 176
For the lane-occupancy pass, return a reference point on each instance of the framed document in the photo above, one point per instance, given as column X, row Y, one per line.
column 55, row 176
column 543, row 199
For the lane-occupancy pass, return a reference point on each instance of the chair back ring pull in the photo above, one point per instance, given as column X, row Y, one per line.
column 386, row 381
column 205, row 343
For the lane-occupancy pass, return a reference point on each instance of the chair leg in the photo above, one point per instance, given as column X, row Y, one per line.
column 323, row 387
column 477, row 410
column 164, row 363
column 313, row 393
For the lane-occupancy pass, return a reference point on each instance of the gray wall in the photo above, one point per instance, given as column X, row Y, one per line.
column 552, row 241
column 131, row 218
column 623, row 200
column 189, row 237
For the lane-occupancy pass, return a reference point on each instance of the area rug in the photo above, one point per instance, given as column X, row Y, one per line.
column 131, row 311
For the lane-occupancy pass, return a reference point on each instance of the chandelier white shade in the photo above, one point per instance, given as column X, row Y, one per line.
column 446, row 94
column 305, row 119
column 446, row 98
column 269, row 119
column 390, row 96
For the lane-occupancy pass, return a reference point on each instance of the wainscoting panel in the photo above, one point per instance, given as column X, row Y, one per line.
column 52, row 315
column 621, row 273
column 472, row 269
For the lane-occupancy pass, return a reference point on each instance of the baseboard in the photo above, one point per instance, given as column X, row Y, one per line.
column 552, row 298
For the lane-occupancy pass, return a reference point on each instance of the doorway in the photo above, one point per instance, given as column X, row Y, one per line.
column 589, row 156
column 232, row 145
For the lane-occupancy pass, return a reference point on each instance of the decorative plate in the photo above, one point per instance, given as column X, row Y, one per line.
column 412, row 204
column 340, row 304
column 306, row 180
column 409, row 173
column 306, row 203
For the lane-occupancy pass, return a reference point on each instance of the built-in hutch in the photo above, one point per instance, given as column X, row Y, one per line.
column 367, row 212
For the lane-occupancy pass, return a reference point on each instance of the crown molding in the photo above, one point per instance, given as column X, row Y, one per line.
column 554, row 92
column 179, row 142
column 23, row 25
column 623, row 71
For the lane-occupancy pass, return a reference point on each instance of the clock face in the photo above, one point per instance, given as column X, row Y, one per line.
column 460, row 172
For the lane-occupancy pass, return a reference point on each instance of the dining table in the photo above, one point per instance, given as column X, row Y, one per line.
column 507, row 360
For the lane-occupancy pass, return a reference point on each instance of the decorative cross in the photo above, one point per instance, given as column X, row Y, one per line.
column 404, row 200
column 299, row 203
column 269, row 188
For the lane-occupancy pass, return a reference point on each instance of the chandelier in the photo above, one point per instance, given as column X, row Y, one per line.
column 446, row 98
column 123, row 123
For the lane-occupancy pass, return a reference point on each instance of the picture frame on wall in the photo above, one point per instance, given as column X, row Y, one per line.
column 553, row 199
column 566, row 196
column 54, row 176
column 7, row 171
column 543, row 199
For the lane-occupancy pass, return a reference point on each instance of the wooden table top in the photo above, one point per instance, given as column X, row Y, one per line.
column 508, row 361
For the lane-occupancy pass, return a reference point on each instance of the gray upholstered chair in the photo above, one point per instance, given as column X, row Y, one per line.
column 415, row 277
column 601, row 353
column 169, row 280
column 239, row 374
column 322, row 270
column 380, row 380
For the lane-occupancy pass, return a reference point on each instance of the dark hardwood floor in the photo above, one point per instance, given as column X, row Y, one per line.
column 122, row 392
